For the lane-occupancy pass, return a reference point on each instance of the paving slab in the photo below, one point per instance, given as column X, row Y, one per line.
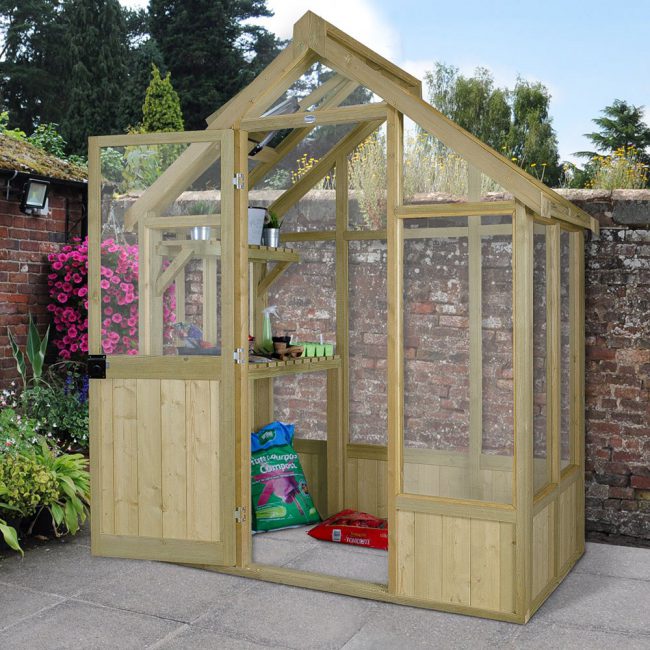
column 344, row 562
column 63, row 569
column 193, row 637
column 617, row 561
column 600, row 603
column 556, row 637
column 392, row 627
column 17, row 603
column 278, row 615
column 74, row 624
column 167, row 590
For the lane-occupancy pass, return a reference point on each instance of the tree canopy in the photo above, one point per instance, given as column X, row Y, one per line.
column 161, row 110
column 621, row 128
column 515, row 122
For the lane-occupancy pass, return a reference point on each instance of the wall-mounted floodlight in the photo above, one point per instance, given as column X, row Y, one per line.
column 34, row 200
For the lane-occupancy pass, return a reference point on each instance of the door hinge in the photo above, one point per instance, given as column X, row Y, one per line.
column 238, row 181
column 238, row 355
column 240, row 514
column 96, row 366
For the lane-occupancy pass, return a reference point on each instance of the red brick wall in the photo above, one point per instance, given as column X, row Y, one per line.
column 618, row 364
column 25, row 242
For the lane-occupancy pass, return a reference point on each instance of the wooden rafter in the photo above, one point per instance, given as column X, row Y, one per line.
column 323, row 166
column 343, row 115
column 338, row 55
column 170, row 273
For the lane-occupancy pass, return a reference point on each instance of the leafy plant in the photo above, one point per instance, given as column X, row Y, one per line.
column 47, row 137
column 272, row 220
column 29, row 485
column 70, row 475
column 17, row 433
column 9, row 533
column 35, row 350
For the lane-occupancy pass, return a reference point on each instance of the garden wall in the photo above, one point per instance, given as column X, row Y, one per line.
column 25, row 242
column 617, row 355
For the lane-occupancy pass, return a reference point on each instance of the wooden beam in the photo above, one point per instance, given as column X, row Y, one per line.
column 322, row 91
column 469, row 209
column 182, row 222
column 271, row 277
column 170, row 273
column 523, row 418
column 295, row 138
column 376, row 61
column 322, row 167
column 343, row 115
column 395, row 352
column 94, row 249
column 522, row 185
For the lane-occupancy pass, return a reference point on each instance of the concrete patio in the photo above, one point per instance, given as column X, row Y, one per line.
column 61, row 597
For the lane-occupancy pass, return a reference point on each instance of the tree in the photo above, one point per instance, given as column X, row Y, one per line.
column 97, row 64
column 161, row 110
column 210, row 51
column 515, row 122
column 32, row 47
column 621, row 128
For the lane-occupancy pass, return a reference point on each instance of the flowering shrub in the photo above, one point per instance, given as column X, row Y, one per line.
column 119, row 287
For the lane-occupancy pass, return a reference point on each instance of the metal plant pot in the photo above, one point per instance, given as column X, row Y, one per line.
column 271, row 237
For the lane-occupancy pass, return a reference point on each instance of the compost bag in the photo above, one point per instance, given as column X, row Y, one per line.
column 278, row 486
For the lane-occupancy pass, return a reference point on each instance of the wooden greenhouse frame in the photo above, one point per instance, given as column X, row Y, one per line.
column 170, row 444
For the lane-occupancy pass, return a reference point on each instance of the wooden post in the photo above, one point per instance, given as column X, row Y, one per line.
column 475, row 338
column 394, row 226
column 523, row 419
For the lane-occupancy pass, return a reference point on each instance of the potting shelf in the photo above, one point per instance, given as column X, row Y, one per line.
column 291, row 366
column 212, row 248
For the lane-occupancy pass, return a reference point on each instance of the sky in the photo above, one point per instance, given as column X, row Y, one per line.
column 586, row 52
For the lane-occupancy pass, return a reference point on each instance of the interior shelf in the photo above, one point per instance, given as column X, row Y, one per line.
column 291, row 366
column 212, row 248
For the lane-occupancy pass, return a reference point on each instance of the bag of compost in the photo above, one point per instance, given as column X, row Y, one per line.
column 279, row 490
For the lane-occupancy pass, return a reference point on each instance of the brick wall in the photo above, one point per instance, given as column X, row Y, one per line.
column 618, row 363
column 25, row 242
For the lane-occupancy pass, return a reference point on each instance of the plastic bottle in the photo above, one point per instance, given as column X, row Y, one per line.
column 266, row 341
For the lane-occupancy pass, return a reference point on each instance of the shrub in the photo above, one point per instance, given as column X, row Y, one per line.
column 17, row 433
column 28, row 484
column 622, row 170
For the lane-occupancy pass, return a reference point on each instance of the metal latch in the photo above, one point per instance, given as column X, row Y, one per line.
column 96, row 366
column 240, row 514
column 238, row 355
column 238, row 181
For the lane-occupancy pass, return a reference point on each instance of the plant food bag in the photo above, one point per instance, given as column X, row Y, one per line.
column 278, row 486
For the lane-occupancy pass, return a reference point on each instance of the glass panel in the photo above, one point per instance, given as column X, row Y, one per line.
column 178, row 312
column 497, row 373
column 436, row 361
column 434, row 172
column 541, row 459
column 566, row 453
column 367, row 342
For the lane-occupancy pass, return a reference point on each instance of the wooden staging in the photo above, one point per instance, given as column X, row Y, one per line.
column 470, row 530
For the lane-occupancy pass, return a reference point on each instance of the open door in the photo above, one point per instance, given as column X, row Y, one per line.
column 161, row 343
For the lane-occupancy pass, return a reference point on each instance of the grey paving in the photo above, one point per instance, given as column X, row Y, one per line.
column 61, row 597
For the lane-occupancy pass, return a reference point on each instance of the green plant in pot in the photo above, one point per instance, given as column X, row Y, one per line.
column 271, row 232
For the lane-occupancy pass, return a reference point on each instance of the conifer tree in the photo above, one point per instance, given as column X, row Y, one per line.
column 161, row 110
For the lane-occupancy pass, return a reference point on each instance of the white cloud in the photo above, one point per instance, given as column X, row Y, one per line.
column 358, row 18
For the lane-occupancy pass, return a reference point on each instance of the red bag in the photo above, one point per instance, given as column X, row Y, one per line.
column 352, row 527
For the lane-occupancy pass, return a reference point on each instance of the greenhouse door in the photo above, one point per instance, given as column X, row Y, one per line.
column 161, row 342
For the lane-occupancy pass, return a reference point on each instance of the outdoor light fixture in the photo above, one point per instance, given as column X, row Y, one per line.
column 34, row 199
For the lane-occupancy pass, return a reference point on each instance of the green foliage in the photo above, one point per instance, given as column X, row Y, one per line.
column 69, row 473
column 621, row 129
column 112, row 164
column 16, row 134
column 96, row 33
column 17, row 432
column 35, row 350
column 47, row 137
column 210, row 49
column 29, row 484
column 515, row 122
column 272, row 220
column 58, row 413
column 161, row 110
column 8, row 532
